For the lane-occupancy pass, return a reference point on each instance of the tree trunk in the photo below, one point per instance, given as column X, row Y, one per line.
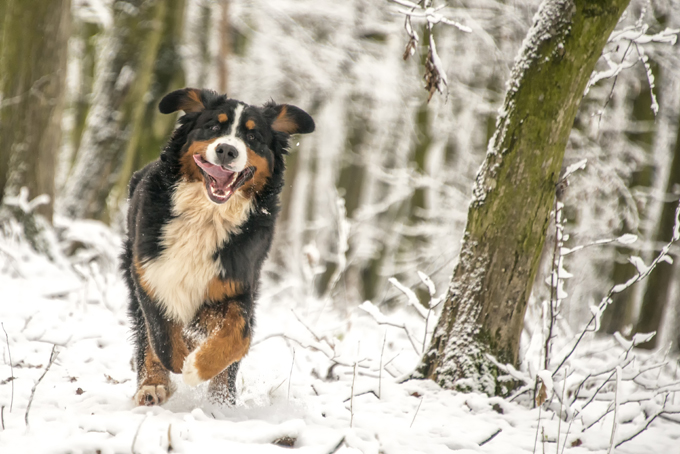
column 32, row 87
column 123, row 77
column 150, row 128
column 513, row 195
column 225, row 47
column 657, row 290
column 619, row 313
column 88, row 35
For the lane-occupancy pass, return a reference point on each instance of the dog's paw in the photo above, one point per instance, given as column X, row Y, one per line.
column 150, row 395
column 190, row 372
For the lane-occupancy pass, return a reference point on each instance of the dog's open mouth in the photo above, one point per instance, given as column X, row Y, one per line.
column 221, row 183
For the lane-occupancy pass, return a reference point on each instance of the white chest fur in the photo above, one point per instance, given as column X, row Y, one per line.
column 179, row 277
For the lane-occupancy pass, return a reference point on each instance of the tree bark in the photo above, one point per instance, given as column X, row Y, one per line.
column 123, row 77
column 513, row 195
column 32, row 86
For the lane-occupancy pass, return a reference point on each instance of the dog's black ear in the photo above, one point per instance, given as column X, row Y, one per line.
column 289, row 119
column 186, row 99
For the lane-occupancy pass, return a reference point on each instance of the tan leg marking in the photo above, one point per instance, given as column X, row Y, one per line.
column 177, row 341
column 220, row 290
column 139, row 269
column 225, row 345
column 154, row 387
column 180, row 350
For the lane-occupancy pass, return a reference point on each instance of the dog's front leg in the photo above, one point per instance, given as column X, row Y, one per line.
column 228, row 330
column 161, row 348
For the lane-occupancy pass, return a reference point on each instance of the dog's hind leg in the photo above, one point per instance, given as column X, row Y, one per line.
column 228, row 330
column 222, row 388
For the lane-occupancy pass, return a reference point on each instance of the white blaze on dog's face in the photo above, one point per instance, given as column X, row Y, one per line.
column 220, row 151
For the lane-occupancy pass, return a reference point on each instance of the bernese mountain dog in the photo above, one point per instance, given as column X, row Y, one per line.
column 200, row 224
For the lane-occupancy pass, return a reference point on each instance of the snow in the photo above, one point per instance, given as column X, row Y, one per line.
column 83, row 404
column 297, row 380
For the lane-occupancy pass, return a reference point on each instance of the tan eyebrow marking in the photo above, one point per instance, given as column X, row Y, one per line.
column 222, row 118
column 250, row 124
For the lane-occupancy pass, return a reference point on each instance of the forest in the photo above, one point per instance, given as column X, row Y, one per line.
column 475, row 250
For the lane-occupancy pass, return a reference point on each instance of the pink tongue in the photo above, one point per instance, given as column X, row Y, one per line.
column 222, row 176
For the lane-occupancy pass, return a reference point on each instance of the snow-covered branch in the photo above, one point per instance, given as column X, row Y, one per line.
column 435, row 74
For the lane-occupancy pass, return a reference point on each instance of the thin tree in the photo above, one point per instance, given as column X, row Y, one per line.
column 657, row 290
column 150, row 128
column 32, row 87
column 123, row 76
column 514, row 193
column 225, row 47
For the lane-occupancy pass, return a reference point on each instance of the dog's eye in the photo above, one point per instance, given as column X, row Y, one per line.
column 215, row 128
column 251, row 137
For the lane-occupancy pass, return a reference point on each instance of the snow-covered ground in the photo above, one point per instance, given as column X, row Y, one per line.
column 289, row 393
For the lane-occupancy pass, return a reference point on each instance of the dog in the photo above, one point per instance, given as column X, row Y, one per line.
column 199, row 227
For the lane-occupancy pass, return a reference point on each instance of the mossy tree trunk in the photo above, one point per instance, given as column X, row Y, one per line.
column 32, row 84
column 124, row 75
column 514, row 193
column 150, row 129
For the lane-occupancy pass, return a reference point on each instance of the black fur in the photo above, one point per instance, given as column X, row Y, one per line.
column 150, row 209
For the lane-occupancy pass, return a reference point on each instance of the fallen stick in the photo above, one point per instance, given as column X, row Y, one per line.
column 53, row 356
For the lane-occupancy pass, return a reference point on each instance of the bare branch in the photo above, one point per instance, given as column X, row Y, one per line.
column 53, row 357
column 11, row 368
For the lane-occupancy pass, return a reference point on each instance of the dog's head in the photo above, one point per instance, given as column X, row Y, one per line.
column 229, row 145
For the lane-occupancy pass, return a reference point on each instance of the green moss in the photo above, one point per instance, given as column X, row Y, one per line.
column 507, row 227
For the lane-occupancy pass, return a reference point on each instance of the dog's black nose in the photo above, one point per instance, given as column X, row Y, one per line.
column 226, row 153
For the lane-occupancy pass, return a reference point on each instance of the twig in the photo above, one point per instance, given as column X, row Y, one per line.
column 619, row 372
column 53, row 356
column 493, row 435
column 641, row 274
column 333, row 359
column 11, row 368
column 381, row 319
column 336, row 447
column 2, row 416
column 290, row 376
column 170, row 437
column 538, row 426
column 382, row 352
column 647, row 423
column 559, row 424
column 611, row 92
column 418, row 408
column 351, row 397
column 134, row 439
column 543, row 438
column 566, row 436
column 12, row 259
column 554, row 282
